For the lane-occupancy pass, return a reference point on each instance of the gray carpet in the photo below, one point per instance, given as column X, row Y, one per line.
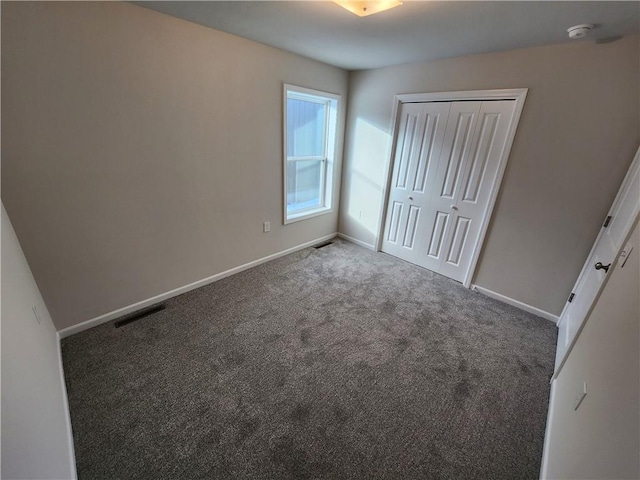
column 336, row 363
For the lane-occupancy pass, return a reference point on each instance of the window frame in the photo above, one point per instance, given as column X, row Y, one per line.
column 327, row 174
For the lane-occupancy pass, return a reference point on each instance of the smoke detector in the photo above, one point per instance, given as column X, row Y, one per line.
column 579, row 31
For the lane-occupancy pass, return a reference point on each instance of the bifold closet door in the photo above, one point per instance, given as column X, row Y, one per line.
column 457, row 189
column 420, row 136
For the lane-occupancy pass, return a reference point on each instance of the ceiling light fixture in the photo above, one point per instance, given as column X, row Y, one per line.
column 579, row 31
column 363, row 9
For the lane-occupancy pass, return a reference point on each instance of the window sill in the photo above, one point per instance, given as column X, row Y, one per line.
column 296, row 217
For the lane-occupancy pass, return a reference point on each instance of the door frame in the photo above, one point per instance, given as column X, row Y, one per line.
column 627, row 183
column 517, row 94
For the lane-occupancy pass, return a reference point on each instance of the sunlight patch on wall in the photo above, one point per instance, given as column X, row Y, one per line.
column 369, row 156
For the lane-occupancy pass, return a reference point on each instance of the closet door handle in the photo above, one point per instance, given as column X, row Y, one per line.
column 453, row 207
column 600, row 266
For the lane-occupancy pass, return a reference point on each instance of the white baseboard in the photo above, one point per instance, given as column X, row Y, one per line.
column 107, row 317
column 65, row 402
column 516, row 303
column 356, row 241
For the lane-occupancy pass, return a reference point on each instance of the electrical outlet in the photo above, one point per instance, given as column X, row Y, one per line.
column 266, row 226
column 36, row 314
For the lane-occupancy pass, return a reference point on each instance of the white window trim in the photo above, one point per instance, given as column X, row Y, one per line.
column 331, row 149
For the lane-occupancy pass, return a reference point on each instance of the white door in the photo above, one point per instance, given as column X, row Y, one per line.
column 420, row 136
column 614, row 230
column 442, row 222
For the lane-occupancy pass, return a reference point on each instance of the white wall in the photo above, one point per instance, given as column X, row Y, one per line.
column 142, row 152
column 602, row 438
column 577, row 136
column 36, row 432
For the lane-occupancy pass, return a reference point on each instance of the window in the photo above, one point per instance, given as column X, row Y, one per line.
column 310, row 125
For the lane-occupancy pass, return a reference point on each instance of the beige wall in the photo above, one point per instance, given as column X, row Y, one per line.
column 36, row 430
column 141, row 152
column 602, row 438
column 577, row 136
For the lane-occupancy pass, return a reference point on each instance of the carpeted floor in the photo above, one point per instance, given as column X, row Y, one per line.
column 336, row 363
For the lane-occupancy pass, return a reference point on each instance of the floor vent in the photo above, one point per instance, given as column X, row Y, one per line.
column 322, row 245
column 132, row 317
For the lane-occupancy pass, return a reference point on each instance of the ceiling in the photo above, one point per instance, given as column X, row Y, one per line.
column 415, row 31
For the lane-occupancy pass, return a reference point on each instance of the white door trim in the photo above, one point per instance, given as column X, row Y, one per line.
column 517, row 94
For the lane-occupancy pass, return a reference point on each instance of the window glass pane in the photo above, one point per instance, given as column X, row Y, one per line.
column 305, row 128
column 304, row 179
